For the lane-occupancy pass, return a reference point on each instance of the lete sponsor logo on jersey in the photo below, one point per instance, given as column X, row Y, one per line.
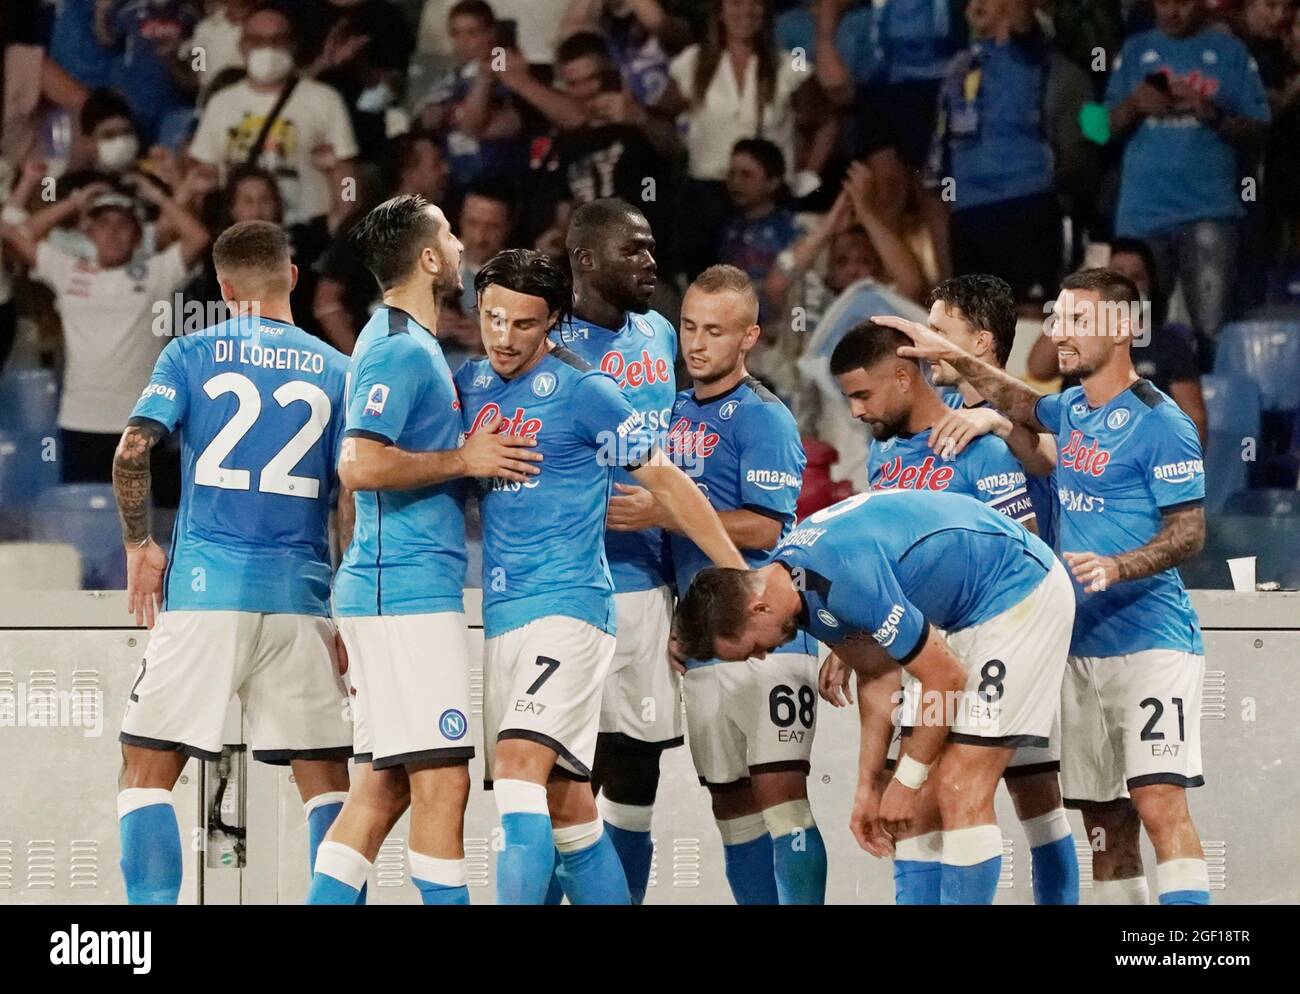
column 888, row 631
column 687, row 439
column 518, row 423
column 772, row 479
column 1091, row 459
column 893, row 475
column 1179, row 472
column 377, row 398
column 645, row 371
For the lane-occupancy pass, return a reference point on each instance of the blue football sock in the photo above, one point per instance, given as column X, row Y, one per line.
column 1056, row 864
column 918, row 869
column 972, row 862
column 340, row 875
column 628, row 827
column 525, row 866
column 798, row 853
column 555, row 893
column 151, row 845
column 439, row 881
column 747, row 856
column 592, row 871
column 1183, row 881
column 321, row 812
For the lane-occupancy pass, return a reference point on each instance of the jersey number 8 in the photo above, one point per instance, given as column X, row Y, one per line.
column 275, row 477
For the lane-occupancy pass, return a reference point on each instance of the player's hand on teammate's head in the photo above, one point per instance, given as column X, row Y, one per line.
column 1092, row 572
column 957, row 429
column 834, row 682
column 864, row 822
column 926, row 343
column 488, row 453
column 145, row 566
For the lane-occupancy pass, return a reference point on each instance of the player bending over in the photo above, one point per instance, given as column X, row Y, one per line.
column 1131, row 484
column 398, row 593
column 751, row 725
column 548, row 600
column 245, row 598
column 892, row 567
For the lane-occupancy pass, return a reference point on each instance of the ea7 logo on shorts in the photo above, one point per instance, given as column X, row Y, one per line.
column 376, row 399
column 159, row 390
column 1180, row 472
column 771, row 479
column 452, row 724
column 886, row 633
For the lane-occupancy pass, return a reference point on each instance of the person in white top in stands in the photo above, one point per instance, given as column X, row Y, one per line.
column 309, row 146
column 110, row 309
column 735, row 84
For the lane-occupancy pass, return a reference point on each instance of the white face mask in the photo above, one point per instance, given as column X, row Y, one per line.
column 374, row 99
column 118, row 152
column 269, row 65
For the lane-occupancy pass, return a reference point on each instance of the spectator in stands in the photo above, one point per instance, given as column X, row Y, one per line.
column 362, row 49
column 1164, row 351
column 346, row 291
column 110, row 309
column 1009, row 110
column 537, row 26
column 484, row 228
column 608, row 146
column 250, row 194
column 158, row 86
column 30, row 81
column 111, row 137
column 471, row 108
column 217, row 36
column 1189, row 99
column 1263, row 25
column 642, row 37
column 76, row 48
column 850, row 25
column 760, row 229
column 295, row 128
column 735, row 84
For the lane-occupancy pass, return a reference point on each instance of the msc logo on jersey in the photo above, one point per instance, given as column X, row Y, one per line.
column 376, row 399
column 1116, row 420
column 452, row 724
column 728, row 409
column 544, row 384
column 1179, row 472
column 887, row 632
column 643, row 326
column 826, row 618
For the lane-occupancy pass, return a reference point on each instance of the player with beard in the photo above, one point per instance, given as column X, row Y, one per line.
column 1131, row 485
column 611, row 252
column 398, row 592
column 548, row 600
column 893, row 397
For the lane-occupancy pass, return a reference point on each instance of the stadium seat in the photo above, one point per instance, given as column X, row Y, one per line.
column 1265, row 503
column 1232, row 406
column 1267, row 352
column 39, row 566
column 29, row 401
column 24, row 471
column 85, row 515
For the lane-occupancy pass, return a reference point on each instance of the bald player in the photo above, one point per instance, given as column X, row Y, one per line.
column 243, row 605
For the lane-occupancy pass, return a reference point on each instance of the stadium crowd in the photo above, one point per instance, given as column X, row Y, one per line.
column 822, row 146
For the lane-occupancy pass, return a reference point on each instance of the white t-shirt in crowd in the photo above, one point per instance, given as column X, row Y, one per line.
column 729, row 111
column 538, row 26
column 110, row 344
column 314, row 116
column 219, row 40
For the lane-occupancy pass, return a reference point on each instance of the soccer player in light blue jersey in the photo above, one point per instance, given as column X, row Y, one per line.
column 892, row 396
column 877, row 577
column 611, row 254
column 750, row 725
column 244, row 598
column 548, row 598
column 398, row 593
column 1131, row 483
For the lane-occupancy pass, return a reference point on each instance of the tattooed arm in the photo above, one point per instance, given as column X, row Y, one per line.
column 132, row 484
column 1181, row 536
column 1009, row 395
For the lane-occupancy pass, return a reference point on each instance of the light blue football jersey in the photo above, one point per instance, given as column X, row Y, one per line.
column 408, row 547
column 890, row 563
column 743, row 450
column 544, row 549
column 640, row 357
column 1119, row 467
column 260, row 407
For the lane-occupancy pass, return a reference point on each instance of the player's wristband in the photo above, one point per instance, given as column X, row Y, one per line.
column 910, row 772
